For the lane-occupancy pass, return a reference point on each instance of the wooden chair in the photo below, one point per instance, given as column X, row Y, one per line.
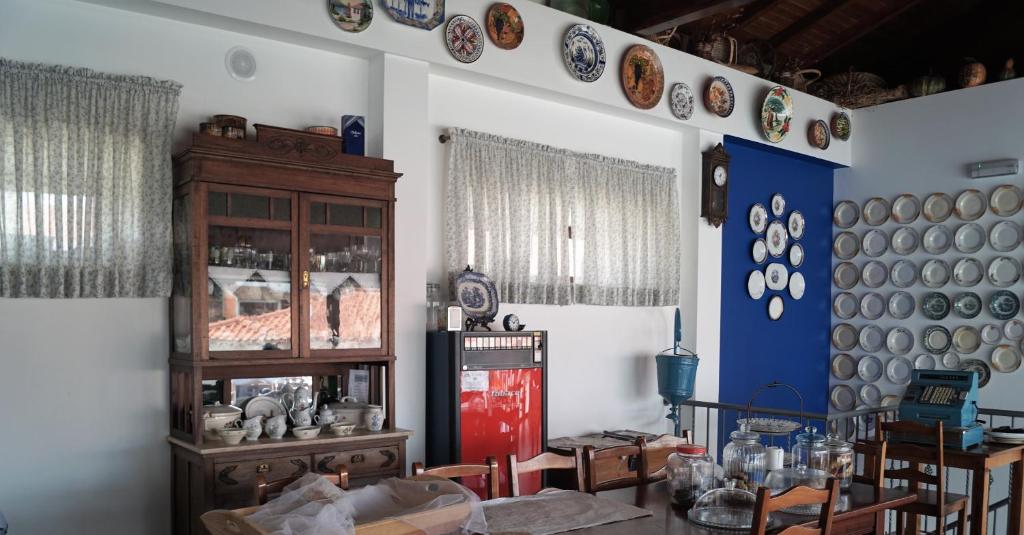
column 612, row 468
column 795, row 496
column 542, row 462
column 873, row 471
column 488, row 470
column 264, row 489
column 937, row 503
column 654, row 455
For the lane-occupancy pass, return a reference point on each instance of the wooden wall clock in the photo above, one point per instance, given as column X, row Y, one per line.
column 714, row 199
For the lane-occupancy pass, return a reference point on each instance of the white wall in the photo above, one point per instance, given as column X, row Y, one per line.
column 921, row 146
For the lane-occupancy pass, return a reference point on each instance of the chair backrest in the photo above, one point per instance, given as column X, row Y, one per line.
column 545, row 461
column 612, row 468
column 264, row 489
column 903, row 449
column 873, row 471
column 488, row 470
column 654, row 455
column 795, row 496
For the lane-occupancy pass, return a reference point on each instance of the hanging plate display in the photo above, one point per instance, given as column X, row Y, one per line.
column 991, row 334
column 906, row 208
column 843, row 398
column 846, row 245
column 841, row 125
column 924, row 362
column 759, row 251
column 351, row 15
column 1003, row 271
column 970, row 238
column 1005, row 359
column 846, row 275
column 873, row 274
column 477, row 296
column 901, row 305
column 844, row 367
column 966, row 339
column 818, row 135
column 1004, row 305
column 758, row 218
column 776, row 114
column 936, row 339
column 426, row 14
column 844, row 306
column 796, row 255
column 797, row 286
column 970, row 205
column 755, row 284
column 776, row 276
column 583, row 52
column 937, row 239
column 778, row 205
column 844, row 337
column 903, row 273
column 871, row 395
column 967, row 305
column 1005, row 236
column 951, row 360
column 680, row 98
column 777, row 238
column 935, row 273
column 775, row 308
column 979, row 367
column 899, row 369
column 876, row 211
column 871, row 338
column 796, row 224
column 505, row 26
column 968, row 272
column 872, row 305
column 935, row 306
column 905, row 240
column 938, row 207
column 643, row 79
column 464, row 38
column 869, row 368
column 846, row 214
column 1005, row 200
column 874, row 243
column 719, row 97
column 1013, row 329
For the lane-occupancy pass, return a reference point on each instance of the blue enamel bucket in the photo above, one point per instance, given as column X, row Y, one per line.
column 676, row 376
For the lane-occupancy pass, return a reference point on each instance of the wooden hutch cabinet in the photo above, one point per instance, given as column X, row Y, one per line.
column 284, row 274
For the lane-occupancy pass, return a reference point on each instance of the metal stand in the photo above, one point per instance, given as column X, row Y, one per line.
column 677, row 421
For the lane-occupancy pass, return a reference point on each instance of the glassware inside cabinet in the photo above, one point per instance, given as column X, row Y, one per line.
column 345, row 303
column 181, row 294
column 249, row 289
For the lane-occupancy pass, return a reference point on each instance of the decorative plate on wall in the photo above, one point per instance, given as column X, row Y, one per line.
column 871, row 395
column 936, row 340
column 935, row 273
column 869, row 368
column 797, row 286
column 464, row 38
column 970, row 238
column 903, row 274
column 758, row 218
column 776, row 276
column 876, row 211
column 778, row 205
column 845, row 306
column 951, row 360
column 979, row 367
column 796, row 255
column 924, row 362
column 900, row 369
column 935, row 306
column 841, row 125
column 970, row 205
column 874, row 243
column 426, row 14
column 351, row 15
column 844, row 367
column 991, row 334
column 846, row 275
column 719, row 97
column 874, row 274
column 1005, row 359
column 1013, row 329
column 901, row 305
column 505, row 26
column 583, row 52
column 967, row 305
column 477, row 296
column 938, row 207
column 906, row 208
column 843, row 398
column 755, row 284
column 1004, row 305
column 818, row 135
column 776, row 114
column 1005, row 200
column 905, row 240
column 937, row 239
column 871, row 338
column 1004, row 236
column 966, row 339
column 680, row 98
column 968, row 272
column 846, row 214
column 872, row 305
column 844, row 337
column 759, row 251
column 846, row 245
column 1003, row 272
column 643, row 79
column 777, row 239
column 796, row 225
column 775, row 308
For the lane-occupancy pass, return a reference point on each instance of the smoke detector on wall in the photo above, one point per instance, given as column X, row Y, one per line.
column 241, row 64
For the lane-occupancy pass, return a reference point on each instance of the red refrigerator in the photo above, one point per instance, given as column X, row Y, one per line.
column 486, row 396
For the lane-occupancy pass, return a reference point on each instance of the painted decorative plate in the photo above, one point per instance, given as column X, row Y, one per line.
column 871, row 395
column 758, row 218
column 643, row 79
column 1004, row 305
column 936, row 340
column 351, row 15
column 938, row 207
column 937, row 239
column 796, row 255
column 425, row 14
column 681, row 101
column 979, row 367
column 464, row 38
column 818, row 134
column 906, row 208
column 846, row 214
column 967, row 305
column 755, row 284
column 796, row 224
column 876, row 211
column 970, row 205
column 1005, row 200
column 776, row 114
column 901, row 305
column 504, row 26
column 841, row 125
column 844, row 306
column 1013, row 329
column 477, row 295
column 264, row 406
column 903, row 274
column 583, row 52
column 778, row 237
column 719, row 97
column 776, row 276
column 935, row 306
column 778, row 204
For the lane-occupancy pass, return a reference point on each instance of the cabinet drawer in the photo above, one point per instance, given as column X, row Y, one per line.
column 360, row 462
column 230, row 477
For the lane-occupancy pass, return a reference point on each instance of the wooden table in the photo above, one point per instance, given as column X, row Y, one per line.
column 981, row 461
column 859, row 507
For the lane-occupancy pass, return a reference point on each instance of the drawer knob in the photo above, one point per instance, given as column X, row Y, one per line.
column 358, row 458
column 262, row 468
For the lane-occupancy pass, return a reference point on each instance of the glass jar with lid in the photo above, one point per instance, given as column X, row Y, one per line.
column 724, row 508
column 840, row 459
column 744, row 459
column 690, row 473
column 810, row 450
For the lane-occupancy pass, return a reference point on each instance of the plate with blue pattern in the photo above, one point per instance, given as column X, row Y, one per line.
column 1004, row 305
column 584, row 53
column 477, row 296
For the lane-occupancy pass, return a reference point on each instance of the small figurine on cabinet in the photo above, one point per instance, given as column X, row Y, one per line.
column 353, row 132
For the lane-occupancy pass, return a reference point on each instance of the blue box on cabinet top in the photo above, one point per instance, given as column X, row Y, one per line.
column 353, row 131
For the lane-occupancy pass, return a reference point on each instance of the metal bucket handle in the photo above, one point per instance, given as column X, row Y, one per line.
column 776, row 384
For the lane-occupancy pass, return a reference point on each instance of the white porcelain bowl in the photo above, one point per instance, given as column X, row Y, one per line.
column 231, row 435
column 341, row 429
column 306, row 432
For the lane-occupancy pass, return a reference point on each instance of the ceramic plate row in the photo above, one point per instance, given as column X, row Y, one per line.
column 971, row 204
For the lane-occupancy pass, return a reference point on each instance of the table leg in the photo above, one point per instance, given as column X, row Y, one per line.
column 1016, row 520
column 979, row 502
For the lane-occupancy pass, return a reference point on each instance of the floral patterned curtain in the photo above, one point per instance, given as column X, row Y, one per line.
column 510, row 207
column 85, row 182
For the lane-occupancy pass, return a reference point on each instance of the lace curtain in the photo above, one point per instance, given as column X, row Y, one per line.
column 85, row 182
column 510, row 207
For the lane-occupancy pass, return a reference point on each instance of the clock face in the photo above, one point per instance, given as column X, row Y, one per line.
column 720, row 175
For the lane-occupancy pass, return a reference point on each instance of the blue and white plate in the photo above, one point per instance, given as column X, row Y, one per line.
column 1004, row 305
column 426, row 14
column 583, row 52
column 681, row 100
column 476, row 295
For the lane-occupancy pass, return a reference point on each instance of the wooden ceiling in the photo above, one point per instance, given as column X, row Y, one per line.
column 897, row 39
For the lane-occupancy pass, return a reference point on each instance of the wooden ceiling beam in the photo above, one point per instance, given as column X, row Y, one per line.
column 668, row 14
column 810, row 19
column 854, row 35
column 752, row 11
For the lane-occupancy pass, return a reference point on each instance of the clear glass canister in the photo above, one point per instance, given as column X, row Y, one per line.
column 840, row 459
column 810, row 450
column 433, row 306
column 744, row 459
column 690, row 473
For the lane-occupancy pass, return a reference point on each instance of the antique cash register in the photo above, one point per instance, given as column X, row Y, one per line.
column 950, row 397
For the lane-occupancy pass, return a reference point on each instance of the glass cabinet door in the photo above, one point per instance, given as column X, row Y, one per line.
column 249, row 290
column 345, row 260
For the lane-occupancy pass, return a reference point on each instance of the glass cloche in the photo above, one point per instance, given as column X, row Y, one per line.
column 724, row 508
column 783, row 479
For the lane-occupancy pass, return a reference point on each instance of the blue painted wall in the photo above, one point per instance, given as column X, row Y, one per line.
column 795, row 349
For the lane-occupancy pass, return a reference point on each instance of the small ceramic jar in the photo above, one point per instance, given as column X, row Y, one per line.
column 276, row 426
column 373, row 416
column 253, row 427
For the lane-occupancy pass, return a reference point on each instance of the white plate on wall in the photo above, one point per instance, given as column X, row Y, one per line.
column 843, row 398
column 846, row 245
column 1013, row 329
column 872, row 305
column 796, row 224
column 759, row 251
column 951, row 360
column 776, row 276
column 903, row 274
column 796, row 255
column 755, row 284
column 777, row 238
column 758, row 218
column 876, row 211
column 991, row 334
column 937, row 340
column 874, row 243
column 935, row 273
column 968, row 272
column 1005, row 200
column 1003, row 272
column 845, row 305
column 844, row 367
column 905, row 241
column 901, row 305
column 844, row 337
column 775, row 308
column 924, row 361
column 899, row 370
column 845, row 276
column 966, row 339
column 1005, row 359
column 937, row 239
column 797, row 286
column 869, row 368
column 906, row 208
column 969, row 238
column 846, row 214
column 938, row 207
column 970, row 205
column 874, row 274
column 778, row 205
column 871, row 395
column 899, row 341
column 1004, row 236
column 871, row 338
